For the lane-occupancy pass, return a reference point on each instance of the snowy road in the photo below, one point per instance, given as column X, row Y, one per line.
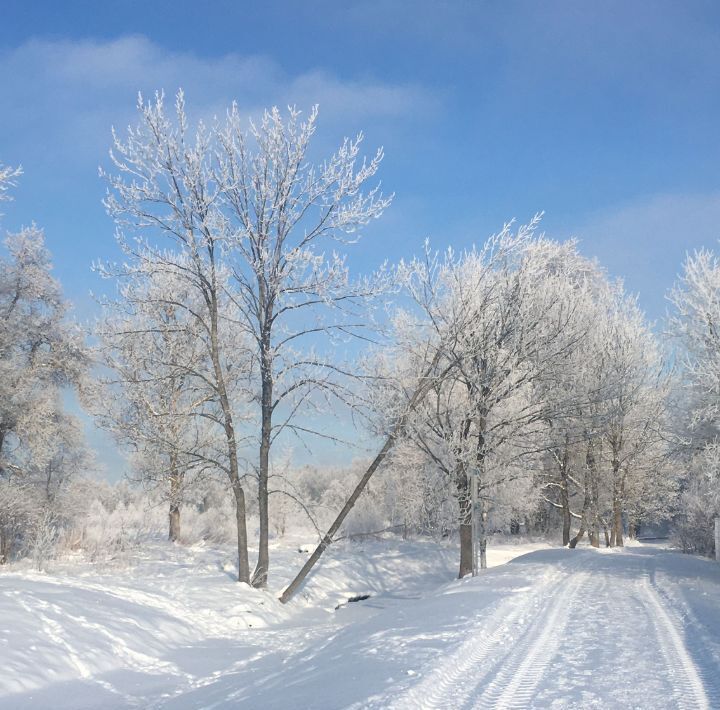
column 638, row 628
column 607, row 629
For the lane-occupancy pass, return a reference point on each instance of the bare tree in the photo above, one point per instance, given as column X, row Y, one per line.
column 290, row 289
column 164, row 190
column 252, row 219
column 154, row 398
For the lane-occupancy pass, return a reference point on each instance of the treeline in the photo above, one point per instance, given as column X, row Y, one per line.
column 514, row 383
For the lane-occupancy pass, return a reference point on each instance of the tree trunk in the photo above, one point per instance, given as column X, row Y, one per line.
column 480, row 512
column 233, row 466
column 175, row 496
column 565, row 494
column 618, row 523
column 465, row 522
column 617, row 503
column 260, row 575
column 466, row 551
column 482, row 534
column 587, row 503
column 592, row 481
column 174, row 531
column 573, row 543
column 243, row 561
column 420, row 391
column 4, row 546
column 327, row 539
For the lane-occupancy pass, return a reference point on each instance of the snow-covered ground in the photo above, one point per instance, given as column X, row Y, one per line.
column 551, row 628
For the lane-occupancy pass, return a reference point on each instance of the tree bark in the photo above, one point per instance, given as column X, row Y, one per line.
column 565, row 493
column 592, row 483
column 618, row 523
column 587, row 503
column 617, row 503
column 243, row 561
column 260, row 575
column 175, row 495
column 466, row 532
column 174, row 516
column 4, row 546
column 573, row 543
column 482, row 534
column 233, row 465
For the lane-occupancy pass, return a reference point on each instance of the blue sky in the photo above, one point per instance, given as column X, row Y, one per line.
column 605, row 115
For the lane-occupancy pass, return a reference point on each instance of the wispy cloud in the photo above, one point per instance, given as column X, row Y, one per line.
column 65, row 95
column 646, row 240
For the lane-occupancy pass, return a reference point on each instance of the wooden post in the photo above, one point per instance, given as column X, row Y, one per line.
column 717, row 539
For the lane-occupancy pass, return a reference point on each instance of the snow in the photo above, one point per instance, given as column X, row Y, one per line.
column 544, row 627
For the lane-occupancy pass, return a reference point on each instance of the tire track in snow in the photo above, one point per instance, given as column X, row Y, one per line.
column 683, row 675
column 710, row 679
column 518, row 678
column 453, row 682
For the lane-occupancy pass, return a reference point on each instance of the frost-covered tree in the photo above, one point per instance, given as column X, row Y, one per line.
column 695, row 322
column 41, row 352
column 695, row 325
column 173, row 349
column 156, row 398
column 499, row 321
column 569, row 394
column 292, row 289
column 7, row 180
column 608, row 463
column 255, row 207
column 633, row 419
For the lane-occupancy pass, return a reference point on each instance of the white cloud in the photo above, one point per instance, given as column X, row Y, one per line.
column 65, row 95
column 646, row 240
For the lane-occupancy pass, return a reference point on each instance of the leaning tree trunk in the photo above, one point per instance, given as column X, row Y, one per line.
column 420, row 391
column 349, row 504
